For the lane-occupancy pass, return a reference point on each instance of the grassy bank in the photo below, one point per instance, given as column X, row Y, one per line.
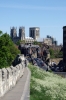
column 46, row 85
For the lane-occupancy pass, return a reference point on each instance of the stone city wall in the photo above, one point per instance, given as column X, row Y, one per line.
column 10, row 76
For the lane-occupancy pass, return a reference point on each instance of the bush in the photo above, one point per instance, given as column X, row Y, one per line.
column 59, row 55
column 46, row 86
column 51, row 53
column 8, row 50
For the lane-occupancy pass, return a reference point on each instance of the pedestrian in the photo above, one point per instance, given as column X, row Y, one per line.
column 25, row 63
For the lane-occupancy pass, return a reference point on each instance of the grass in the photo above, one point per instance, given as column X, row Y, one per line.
column 46, row 86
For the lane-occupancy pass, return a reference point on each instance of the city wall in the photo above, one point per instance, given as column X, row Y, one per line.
column 10, row 76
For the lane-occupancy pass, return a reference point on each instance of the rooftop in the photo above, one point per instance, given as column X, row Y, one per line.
column 64, row 26
column 28, row 38
column 33, row 27
column 40, row 40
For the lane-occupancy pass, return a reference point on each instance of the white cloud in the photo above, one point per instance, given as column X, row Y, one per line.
column 32, row 7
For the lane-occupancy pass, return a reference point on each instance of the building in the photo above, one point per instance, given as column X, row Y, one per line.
column 29, row 40
column 29, row 50
column 51, row 39
column 34, row 32
column 47, row 41
column 22, row 33
column 64, row 45
column 13, row 32
column 40, row 40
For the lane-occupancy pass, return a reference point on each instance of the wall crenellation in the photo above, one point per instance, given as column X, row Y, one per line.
column 10, row 76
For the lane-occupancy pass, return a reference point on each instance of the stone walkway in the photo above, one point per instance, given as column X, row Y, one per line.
column 21, row 90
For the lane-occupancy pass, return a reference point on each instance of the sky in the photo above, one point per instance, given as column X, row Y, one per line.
column 49, row 15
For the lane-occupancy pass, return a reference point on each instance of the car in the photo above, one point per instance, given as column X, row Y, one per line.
column 57, row 69
column 41, row 63
column 35, row 59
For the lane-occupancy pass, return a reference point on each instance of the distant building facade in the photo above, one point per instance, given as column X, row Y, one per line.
column 29, row 40
column 40, row 40
column 47, row 41
column 34, row 32
column 50, row 41
column 64, row 44
column 15, row 38
column 13, row 34
column 30, row 50
column 22, row 33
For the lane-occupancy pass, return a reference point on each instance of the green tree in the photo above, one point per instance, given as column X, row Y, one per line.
column 22, row 41
column 59, row 54
column 51, row 53
column 8, row 50
column 35, row 43
column 1, row 32
column 18, row 42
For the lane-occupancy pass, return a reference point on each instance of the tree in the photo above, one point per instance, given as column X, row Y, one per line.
column 18, row 42
column 35, row 43
column 59, row 54
column 51, row 53
column 8, row 50
column 1, row 32
column 22, row 41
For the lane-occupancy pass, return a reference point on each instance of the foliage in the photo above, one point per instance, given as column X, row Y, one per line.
column 1, row 32
column 35, row 43
column 45, row 85
column 8, row 50
column 18, row 42
column 51, row 53
column 55, row 53
column 22, row 41
column 59, row 55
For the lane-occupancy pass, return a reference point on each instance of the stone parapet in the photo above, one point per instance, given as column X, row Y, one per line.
column 10, row 76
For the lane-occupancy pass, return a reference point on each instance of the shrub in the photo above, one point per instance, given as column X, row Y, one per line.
column 8, row 50
column 46, row 86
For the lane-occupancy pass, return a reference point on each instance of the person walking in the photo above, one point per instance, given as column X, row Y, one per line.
column 25, row 63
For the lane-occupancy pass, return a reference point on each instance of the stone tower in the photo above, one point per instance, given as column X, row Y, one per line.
column 34, row 32
column 22, row 33
column 13, row 32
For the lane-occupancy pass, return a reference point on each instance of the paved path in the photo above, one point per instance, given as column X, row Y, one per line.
column 17, row 92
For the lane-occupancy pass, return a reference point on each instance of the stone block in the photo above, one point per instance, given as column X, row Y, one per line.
column 1, row 88
column 13, row 76
column 9, row 77
column 21, row 70
column 18, row 72
column 0, row 75
column 4, row 74
column 4, row 81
